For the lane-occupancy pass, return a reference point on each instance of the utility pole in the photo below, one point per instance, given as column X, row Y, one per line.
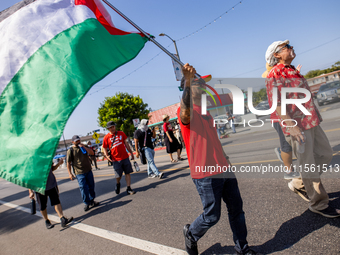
column 64, row 142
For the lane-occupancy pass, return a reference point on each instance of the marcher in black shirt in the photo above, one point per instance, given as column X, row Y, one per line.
column 146, row 146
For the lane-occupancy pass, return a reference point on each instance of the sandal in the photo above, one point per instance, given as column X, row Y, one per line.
column 173, row 161
column 178, row 159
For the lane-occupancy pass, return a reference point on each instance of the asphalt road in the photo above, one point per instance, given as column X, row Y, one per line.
column 151, row 221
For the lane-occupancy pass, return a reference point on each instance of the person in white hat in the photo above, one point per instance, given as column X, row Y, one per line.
column 171, row 142
column 284, row 152
column 300, row 129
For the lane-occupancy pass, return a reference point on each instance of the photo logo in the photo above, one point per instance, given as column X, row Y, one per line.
column 204, row 98
column 238, row 100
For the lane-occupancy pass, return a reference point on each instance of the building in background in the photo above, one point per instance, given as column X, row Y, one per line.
column 316, row 82
column 155, row 117
column 84, row 139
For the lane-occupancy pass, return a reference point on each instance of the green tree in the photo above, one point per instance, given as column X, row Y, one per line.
column 122, row 108
column 259, row 96
column 317, row 72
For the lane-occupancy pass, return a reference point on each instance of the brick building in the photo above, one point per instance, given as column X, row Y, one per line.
column 316, row 82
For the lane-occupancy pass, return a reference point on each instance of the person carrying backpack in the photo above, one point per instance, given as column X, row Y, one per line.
column 78, row 157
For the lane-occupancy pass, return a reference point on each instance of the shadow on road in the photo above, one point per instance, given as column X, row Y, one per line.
column 336, row 148
column 290, row 232
column 165, row 179
column 9, row 221
column 16, row 196
column 335, row 163
column 105, row 205
column 226, row 143
column 72, row 197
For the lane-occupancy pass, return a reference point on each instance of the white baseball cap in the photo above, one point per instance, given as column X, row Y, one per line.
column 273, row 49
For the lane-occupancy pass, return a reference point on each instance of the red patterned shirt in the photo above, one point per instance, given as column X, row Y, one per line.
column 287, row 76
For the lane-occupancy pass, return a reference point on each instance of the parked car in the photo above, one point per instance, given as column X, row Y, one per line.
column 314, row 94
column 329, row 92
column 262, row 106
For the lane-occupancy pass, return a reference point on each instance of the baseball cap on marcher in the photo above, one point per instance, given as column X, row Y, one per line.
column 75, row 138
column 110, row 124
column 273, row 49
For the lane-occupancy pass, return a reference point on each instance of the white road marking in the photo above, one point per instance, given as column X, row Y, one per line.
column 137, row 243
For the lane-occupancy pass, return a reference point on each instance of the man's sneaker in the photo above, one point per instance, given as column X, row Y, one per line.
column 329, row 212
column 86, row 208
column 160, row 176
column 301, row 192
column 129, row 191
column 64, row 221
column 190, row 245
column 291, row 175
column 94, row 203
column 117, row 188
column 246, row 251
column 151, row 176
column 48, row 224
column 278, row 153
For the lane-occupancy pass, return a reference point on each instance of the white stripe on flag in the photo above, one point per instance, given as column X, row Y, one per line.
column 24, row 32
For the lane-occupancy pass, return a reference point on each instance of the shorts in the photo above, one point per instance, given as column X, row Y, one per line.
column 285, row 146
column 122, row 166
column 53, row 194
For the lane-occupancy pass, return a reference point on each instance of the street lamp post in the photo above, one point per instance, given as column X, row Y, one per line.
column 221, row 83
column 162, row 34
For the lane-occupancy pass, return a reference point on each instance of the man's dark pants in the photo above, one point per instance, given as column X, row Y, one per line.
column 86, row 186
column 212, row 191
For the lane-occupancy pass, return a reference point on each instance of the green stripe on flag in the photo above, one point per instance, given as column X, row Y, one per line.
column 36, row 104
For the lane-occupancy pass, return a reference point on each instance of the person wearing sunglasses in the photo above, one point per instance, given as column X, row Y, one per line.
column 300, row 129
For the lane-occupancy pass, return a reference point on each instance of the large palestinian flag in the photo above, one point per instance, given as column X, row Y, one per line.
column 51, row 53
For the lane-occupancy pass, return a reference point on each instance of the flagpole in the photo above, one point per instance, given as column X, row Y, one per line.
column 147, row 35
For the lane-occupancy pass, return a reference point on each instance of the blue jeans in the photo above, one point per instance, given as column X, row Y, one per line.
column 212, row 191
column 86, row 186
column 218, row 133
column 232, row 125
column 150, row 154
column 285, row 146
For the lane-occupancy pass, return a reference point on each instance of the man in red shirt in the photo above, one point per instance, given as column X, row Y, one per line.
column 117, row 142
column 299, row 128
column 208, row 169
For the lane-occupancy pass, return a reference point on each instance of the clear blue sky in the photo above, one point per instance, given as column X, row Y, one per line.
column 233, row 46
